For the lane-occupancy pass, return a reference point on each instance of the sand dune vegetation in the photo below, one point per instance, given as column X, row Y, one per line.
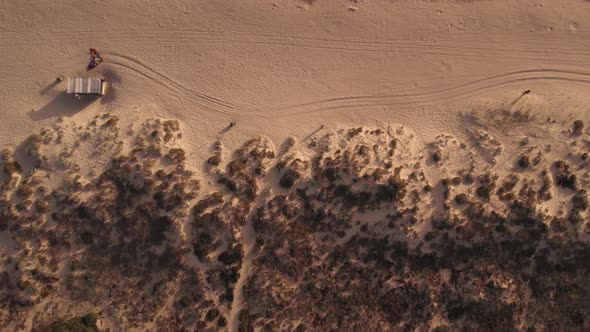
column 294, row 165
column 355, row 230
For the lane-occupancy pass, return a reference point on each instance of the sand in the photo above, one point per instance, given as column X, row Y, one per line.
column 283, row 68
column 445, row 77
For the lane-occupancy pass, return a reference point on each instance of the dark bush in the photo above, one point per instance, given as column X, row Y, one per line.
column 111, row 122
column 85, row 323
column 229, row 183
column 231, row 256
column 86, row 237
column 212, row 314
column 289, row 178
column 524, row 161
column 214, row 160
column 437, row 156
column 158, row 228
column 222, row 322
column 564, row 177
column 185, row 301
column 578, row 127
column 176, row 155
column 300, row 328
column 12, row 167
column 201, row 245
column 41, row 206
column 484, row 191
column 211, row 200
column 558, row 225
column 544, row 192
column 461, row 199
column 580, row 200
column 363, row 150
column 468, row 179
column 24, row 191
column 245, row 322
column 575, row 217
column 487, row 185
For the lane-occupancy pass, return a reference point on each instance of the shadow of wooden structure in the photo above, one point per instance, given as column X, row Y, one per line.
column 63, row 105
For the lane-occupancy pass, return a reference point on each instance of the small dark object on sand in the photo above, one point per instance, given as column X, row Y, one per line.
column 232, row 124
column 526, row 92
column 437, row 156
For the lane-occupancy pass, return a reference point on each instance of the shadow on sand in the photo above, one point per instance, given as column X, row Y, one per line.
column 225, row 130
column 49, row 87
column 62, row 105
column 312, row 133
column 113, row 79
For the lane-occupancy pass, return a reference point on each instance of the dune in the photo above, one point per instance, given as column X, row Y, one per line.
column 295, row 165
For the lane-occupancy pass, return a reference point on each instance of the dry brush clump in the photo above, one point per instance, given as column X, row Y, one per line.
column 354, row 232
column 337, row 240
column 218, row 218
column 249, row 162
column 564, row 177
column 113, row 240
column 291, row 169
column 578, row 127
column 310, row 230
column 215, row 159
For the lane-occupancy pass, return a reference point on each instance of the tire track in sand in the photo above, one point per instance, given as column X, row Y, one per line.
column 466, row 46
column 288, row 39
column 173, row 82
column 211, row 103
column 434, row 96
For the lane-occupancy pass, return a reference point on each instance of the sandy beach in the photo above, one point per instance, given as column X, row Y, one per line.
column 295, row 165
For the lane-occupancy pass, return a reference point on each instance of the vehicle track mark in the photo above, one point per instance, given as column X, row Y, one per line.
column 193, row 36
column 435, row 96
column 173, row 82
column 195, row 98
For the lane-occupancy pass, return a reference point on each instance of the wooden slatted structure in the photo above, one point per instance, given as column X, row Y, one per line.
column 86, row 86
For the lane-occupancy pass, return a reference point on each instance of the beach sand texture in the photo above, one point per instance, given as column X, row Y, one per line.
column 296, row 165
